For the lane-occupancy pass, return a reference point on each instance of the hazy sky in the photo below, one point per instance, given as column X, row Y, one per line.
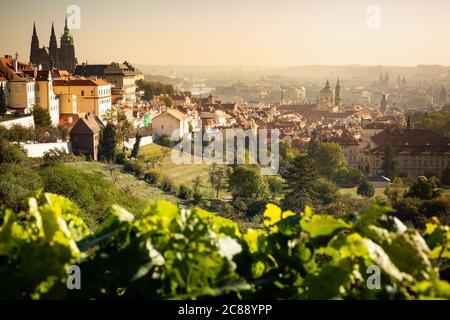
column 237, row 32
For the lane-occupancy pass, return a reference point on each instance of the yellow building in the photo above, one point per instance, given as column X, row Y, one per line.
column 416, row 152
column 28, row 87
column 20, row 86
column 92, row 95
column 45, row 96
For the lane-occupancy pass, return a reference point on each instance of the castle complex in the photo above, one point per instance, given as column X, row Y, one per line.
column 52, row 56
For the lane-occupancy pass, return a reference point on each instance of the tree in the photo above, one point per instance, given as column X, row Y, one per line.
column 347, row 177
column 124, row 127
column 41, row 117
column 325, row 192
column 135, row 151
column 188, row 94
column 217, row 177
column 247, row 186
column 17, row 183
column 152, row 88
column 196, row 183
column 285, row 151
column 424, row 189
column 11, row 153
column 313, row 146
column 3, row 107
column 276, row 186
column 445, row 176
column 19, row 133
column 300, row 178
column 168, row 101
column 388, row 165
column 365, row 189
column 329, row 159
column 108, row 142
column 395, row 190
column 184, row 192
column 62, row 132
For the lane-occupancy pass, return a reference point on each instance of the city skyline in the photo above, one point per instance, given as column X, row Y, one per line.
column 263, row 33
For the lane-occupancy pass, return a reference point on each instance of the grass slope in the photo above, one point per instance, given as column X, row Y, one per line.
column 180, row 173
column 125, row 182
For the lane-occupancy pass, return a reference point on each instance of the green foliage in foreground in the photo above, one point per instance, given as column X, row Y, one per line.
column 173, row 253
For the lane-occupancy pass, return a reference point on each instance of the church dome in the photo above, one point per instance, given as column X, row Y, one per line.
column 327, row 90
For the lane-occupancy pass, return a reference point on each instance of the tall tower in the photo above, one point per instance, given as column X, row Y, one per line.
column 383, row 103
column 53, row 48
column 34, row 52
column 337, row 94
column 66, row 56
column 443, row 95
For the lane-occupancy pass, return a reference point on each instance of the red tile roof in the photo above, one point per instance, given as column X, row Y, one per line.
column 80, row 82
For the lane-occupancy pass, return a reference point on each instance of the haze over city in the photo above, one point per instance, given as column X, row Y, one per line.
column 247, row 33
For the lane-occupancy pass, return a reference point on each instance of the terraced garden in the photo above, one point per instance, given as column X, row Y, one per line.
column 126, row 182
column 180, row 173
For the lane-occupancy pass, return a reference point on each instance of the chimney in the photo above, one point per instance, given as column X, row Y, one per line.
column 15, row 64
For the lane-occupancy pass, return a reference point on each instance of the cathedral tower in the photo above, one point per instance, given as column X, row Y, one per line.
column 53, row 48
column 337, row 94
column 67, row 59
column 34, row 52
column 54, row 57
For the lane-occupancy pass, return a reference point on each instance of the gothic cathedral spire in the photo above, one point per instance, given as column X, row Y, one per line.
column 62, row 57
column 34, row 52
column 337, row 94
column 53, row 47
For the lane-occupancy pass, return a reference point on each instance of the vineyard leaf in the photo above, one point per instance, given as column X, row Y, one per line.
column 319, row 226
column 376, row 209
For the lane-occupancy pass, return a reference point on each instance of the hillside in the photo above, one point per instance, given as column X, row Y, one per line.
column 180, row 173
column 126, row 182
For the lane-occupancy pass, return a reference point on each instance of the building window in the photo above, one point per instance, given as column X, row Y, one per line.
column 82, row 92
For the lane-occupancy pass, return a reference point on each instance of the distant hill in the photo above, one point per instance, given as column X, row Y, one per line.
column 299, row 72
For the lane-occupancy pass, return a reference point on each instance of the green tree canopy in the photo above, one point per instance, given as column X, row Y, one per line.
column 124, row 128
column 445, row 176
column 424, row 189
column 11, row 153
column 17, row 183
column 365, row 189
column 247, row 186
column 168, row 101
column 300, row 178
column 152, row 88
column 41, row 117
column 329, row 159
column 108, row 142
column 3, row 107
column 389, row 164
column 135, row 151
